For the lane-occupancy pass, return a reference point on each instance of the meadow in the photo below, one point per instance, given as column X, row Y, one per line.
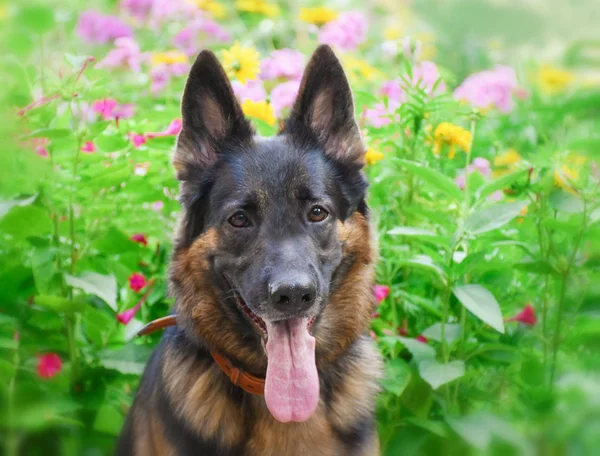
column 484, row 188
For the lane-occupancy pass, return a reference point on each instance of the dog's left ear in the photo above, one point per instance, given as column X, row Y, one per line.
column 324, row 109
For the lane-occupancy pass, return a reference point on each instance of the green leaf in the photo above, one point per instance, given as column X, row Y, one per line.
column 536, row 267
column 131, row 359
column 493, row 217
column 397, row 376
column 451, row 332
column 103, row 286
column 410, row 231
column 438, row 374
column 50, row 133
column 38, row 19
column 59, row 303
column 501, row 183
column 24, row 221
column 109, row 420
column 434, row 178
column 565, row 202
column 419, row 350
column 6, row 206
column 481, row 303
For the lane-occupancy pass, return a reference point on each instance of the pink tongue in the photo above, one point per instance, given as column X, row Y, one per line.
column 292, row 383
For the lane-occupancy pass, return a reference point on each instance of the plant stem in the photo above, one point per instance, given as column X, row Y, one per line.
column 12, row 440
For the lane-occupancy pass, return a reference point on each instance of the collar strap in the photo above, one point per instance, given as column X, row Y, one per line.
column 248, row 382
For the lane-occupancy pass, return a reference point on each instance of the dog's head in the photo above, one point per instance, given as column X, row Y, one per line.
column 268, row 225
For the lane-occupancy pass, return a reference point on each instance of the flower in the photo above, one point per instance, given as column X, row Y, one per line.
column 159, row 77
column 253, row 90
column 89, row 147
column 98, row 28
column 158, row 206
column 421, row 338
column 259, row 110
column 554, row 80
column 489, row 89
column 140, row 9
column 379, row 115
column 109, row 109
column 381, row 292
column 283, row 96
column 137, row 281
column 137, row 139
column 241, row 62
column 258, row 6
column 140, row 239
column 126, row 53
column 359, row 69
column 39, row 145
column 282, row 63
column 525, row 316
column 172, row 130
column 507, row 162
column 372, row 156
column 49, row 365
column 318, row 15
column 564, row 177
column 213, row 7
column 190, row 38
column 346, row 32
column 480, row 165
column 168, row 58
column 452, row 136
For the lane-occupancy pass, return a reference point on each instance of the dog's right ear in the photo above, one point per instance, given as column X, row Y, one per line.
column 211, row 117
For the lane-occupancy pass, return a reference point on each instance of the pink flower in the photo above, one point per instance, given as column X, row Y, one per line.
column 159, row 77
column 191, row 38
column 283, row 96
column 126, row 316
column 381, row 114
column 346, row 32
column 98, row 28
column 137, row 281
column 402, row 331
column 137, row 139
column 421, row 338
column 491, row 88
column 253, row 90
column 126, row 53
column 140, row 239
column 89, row 147
column 393, row 90
column 158, row 206
column 283, row 63
column 381, row 292
column 138, row 8
column 526, row 316
column 109, row 109
column 425, row 75
column 49, row 365
column 479, row 165
column 172, row 130
column 39, row 145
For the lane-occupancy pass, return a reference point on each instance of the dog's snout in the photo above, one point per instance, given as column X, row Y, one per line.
column 296, row 291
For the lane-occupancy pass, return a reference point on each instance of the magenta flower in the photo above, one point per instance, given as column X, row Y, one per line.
column 140, row 239
column 159, row 77
column 393, row 90
column 98, row 28
column 191, row 38
column 381, row 292
column 89, row 147
column 526, row 316
column 137, row 139
column 283, row 96
column 425, row 75
column 422, row 338
column 283, row 63
column 490, row 89
column 137, row 281
column 253, row 90
column 49, row 365
column 140, row 9
column 346, row 32
column 109, row 109
column 126, row 54
column 381, row 114
column 39, row 145
column 172, row 130
column 126, row 316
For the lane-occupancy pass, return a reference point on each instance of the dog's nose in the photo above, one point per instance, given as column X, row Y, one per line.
column 294, row 292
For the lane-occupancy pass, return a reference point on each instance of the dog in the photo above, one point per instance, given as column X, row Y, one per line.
column 272, row 274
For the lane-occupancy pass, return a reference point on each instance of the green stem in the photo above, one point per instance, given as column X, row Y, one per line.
column 70, row 323
column 12, row 439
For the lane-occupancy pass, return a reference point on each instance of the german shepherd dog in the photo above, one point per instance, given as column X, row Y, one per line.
column 273, row 269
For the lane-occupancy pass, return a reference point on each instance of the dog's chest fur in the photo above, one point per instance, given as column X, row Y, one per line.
column 223, row 420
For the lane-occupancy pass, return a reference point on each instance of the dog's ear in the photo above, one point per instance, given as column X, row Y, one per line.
column 325, row 110
column 211, row 117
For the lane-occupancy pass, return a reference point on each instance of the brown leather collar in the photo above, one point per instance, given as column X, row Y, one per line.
column 248, row 382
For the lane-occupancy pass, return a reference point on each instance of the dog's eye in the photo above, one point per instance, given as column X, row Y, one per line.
column 239, row 220
column 317, row 214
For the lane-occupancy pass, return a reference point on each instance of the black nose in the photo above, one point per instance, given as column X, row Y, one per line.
column 295, row 291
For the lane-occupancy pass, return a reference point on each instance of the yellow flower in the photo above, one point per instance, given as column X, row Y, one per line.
column 507, row 162
column 564, row 178
column 241, row 62
column 259, row 110
column 258, row 6
column 319, row 15
column 451, row 135
column 392, row 33
column 168, row 58
column 217, row 10
column 554, row 80
column 359, row 69
column 373, row 156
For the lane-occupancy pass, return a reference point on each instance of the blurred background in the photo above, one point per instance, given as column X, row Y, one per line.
column 482, row 121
